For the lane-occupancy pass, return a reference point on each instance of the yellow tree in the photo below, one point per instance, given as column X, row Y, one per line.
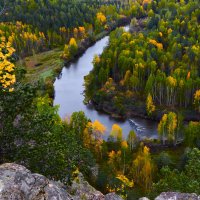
column 98, row 131
column 143, row 169
column 7, row 76
column 73, row 47
column 155, row 43
column 197, row 99
column 100, row 21
column 167, row 127
column 116, row 132
column 171, row 126
column 70, row 49
column 125, row 180
column 125, row 184
column 96, row 60
column 114, row 160
column 81, row 30
column 162, row 128
column 101, row 18
column 124, row 146
column 66, row 53
column 150, row 107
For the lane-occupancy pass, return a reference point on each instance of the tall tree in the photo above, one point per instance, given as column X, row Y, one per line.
column 143, row 169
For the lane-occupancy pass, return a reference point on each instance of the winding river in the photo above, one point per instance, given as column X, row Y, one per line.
column 69, row 95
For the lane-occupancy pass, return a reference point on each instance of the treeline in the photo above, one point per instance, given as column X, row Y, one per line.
column 28, row 40
column 24, row 38
column 49, row 15
column 161, row 60
column 35, row 26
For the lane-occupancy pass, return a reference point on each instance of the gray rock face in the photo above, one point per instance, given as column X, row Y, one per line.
column 112, row 196
column 81, row 189
column 177, row 196
column 18, row 183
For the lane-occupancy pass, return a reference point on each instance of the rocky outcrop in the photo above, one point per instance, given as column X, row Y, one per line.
column 143, row 198
column 18, row 183
column 112, row 196
column 81, row 189
column 177, row 196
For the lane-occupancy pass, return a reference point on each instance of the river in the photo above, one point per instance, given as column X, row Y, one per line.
column 69, row 95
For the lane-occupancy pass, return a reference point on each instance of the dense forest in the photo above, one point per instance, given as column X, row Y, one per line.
column 157, row 65
column 154, row 66
column 46, row 24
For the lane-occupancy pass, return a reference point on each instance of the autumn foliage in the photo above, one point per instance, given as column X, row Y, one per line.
column 7, row 76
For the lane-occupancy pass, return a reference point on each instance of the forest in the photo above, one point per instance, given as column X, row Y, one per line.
column 158, row 65
column 153, row 67
column 47, row 24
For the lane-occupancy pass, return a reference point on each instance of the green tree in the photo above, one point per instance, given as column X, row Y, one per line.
column 174, row 180
column 131, row 139
column 192, row 136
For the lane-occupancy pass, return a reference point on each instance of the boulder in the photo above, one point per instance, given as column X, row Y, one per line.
column 81, row 189
column 112, row 196
column 177, row 196
column 18, row 183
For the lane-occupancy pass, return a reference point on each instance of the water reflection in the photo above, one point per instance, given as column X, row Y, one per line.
column 69, row 95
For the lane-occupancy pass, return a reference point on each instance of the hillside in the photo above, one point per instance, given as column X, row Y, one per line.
column 149, row 69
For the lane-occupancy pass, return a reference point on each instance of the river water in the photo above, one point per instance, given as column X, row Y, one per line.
column 69, row 95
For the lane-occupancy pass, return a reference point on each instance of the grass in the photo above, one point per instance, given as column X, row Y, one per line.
column 42, row 65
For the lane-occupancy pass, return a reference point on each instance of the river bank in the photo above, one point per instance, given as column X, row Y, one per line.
column 49, row 64
column 138, row 109
column 46, row 66
column 89, row 41
column 69, row 89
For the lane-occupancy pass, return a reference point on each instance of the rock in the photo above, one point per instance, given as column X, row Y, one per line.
column 81, row 189
column 95, row 171
column 112, row 196
column 18, row 183
column 177, row 196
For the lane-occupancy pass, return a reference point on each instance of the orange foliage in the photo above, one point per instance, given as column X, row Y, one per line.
column 155, row 43
column 188, row 75
column 101, row 18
